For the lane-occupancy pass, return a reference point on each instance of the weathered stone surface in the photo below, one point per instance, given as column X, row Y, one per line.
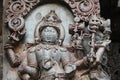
column 115, row 47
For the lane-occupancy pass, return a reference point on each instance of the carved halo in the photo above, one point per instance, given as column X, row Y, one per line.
column 52, row 20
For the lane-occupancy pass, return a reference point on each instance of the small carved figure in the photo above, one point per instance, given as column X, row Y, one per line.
column 98, row 45
column 89, row 67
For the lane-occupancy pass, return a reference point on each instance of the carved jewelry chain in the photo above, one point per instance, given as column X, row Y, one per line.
column 51, row 60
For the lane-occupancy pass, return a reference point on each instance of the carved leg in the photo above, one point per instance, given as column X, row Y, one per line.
column 99, row 75
column 101, row 50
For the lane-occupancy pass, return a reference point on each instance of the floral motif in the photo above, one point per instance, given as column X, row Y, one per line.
column 19, row 8
column 84, row 8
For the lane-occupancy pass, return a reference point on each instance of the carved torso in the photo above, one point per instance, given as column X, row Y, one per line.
column 48, row 55
column 50, row 60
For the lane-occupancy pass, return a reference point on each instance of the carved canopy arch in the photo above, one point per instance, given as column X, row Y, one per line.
column 17, row 9
column 80, row 8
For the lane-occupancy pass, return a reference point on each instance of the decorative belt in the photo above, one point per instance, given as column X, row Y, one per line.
column 54, row 76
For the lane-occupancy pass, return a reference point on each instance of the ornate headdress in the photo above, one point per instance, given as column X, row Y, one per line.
column 50, row 20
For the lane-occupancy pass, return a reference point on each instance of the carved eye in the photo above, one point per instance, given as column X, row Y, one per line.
column 96, row 20
column 92, row 20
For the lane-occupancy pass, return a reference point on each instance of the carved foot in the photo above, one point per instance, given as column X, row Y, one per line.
column 26, row 77
column 70, row 68
column 106, row 43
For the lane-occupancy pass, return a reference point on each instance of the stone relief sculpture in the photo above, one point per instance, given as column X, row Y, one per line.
column 52, row 60
column 47, row 58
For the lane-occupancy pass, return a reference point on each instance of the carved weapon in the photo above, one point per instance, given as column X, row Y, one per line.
column 92, row 44
column 92, row 54
column 98, row 54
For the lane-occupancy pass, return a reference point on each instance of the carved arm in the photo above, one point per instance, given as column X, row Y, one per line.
column 16, row 33
column 101, row 50
column 68, row 66
column 82, row 63
column 13, row 58
column 31, row 68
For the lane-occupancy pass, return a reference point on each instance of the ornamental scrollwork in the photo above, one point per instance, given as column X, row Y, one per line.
column 83, row 9
column 19, row 8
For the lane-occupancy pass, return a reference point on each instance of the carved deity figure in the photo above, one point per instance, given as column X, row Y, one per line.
column 46, row 59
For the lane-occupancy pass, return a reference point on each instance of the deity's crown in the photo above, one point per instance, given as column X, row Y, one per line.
column 52, row 17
